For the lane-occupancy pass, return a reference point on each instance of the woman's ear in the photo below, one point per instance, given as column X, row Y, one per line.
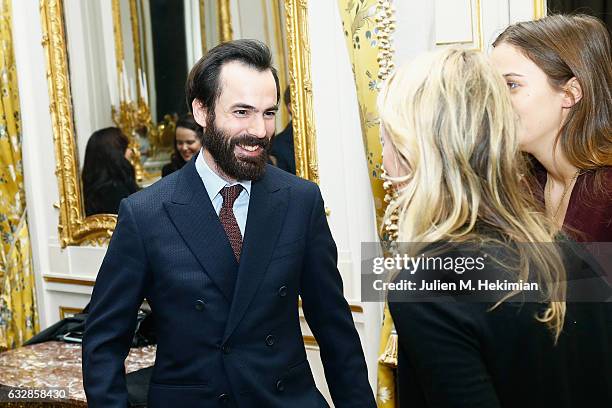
column 573, row 93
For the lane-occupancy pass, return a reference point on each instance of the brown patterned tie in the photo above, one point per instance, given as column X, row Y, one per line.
column 228, row 220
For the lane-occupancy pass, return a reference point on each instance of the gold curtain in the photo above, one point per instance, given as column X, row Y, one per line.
column 18, row 315
column 366, row 25
column 361, row 34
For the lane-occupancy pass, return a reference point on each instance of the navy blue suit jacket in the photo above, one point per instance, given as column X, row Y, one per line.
column 227, row 333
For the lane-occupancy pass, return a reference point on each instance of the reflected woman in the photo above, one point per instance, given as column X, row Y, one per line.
column 559, row 72
column 187, row 142
column 108, row 176
column 451, row 149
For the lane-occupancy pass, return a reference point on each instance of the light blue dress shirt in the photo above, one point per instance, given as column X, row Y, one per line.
column 214, row 184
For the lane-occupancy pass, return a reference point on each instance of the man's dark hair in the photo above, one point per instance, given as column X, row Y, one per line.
column 203, row 82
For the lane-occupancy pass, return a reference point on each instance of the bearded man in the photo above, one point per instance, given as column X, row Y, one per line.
column 221, row 250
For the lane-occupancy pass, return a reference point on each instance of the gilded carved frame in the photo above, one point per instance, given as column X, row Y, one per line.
column 76, row 229
column 300, row 83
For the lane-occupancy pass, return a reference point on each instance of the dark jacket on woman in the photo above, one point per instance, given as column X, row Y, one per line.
column 458, row 353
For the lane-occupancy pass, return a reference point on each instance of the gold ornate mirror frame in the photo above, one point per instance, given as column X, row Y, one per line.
column 76, row 229
column 300, row 83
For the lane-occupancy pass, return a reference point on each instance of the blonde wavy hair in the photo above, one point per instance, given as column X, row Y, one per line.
column 449, row 118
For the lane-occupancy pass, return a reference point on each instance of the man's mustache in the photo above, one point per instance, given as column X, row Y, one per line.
column 249, row 140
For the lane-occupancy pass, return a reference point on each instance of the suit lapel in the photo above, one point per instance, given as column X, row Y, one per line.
column 267, row 208
column 193, row 215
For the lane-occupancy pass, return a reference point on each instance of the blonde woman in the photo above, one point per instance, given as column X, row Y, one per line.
column 450, row 147
column 559, row 73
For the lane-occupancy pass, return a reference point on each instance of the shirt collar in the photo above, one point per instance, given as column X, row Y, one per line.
column 212, row 181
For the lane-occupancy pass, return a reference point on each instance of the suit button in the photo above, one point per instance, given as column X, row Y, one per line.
column 224, row 398
column 225, row 348
column 199, row 305
column 280, row 386
column 282, row 291
column 270, row 340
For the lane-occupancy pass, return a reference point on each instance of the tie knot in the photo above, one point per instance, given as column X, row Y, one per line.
column 230, row 194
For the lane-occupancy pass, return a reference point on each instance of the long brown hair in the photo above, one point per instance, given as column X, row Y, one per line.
column 567, row 46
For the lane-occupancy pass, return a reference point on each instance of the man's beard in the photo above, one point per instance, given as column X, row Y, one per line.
column 221, row 147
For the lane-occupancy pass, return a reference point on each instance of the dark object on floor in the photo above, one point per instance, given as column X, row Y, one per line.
column 138, row 386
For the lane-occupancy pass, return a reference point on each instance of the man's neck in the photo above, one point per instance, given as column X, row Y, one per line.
column 212, row 164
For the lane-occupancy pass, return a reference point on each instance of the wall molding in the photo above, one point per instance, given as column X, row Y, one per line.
column 68, row 281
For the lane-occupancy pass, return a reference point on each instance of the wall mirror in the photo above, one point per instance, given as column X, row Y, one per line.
column 123, row 64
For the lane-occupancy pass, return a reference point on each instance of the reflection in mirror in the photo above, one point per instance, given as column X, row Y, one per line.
column 105, row 69
column 89, row 41
column 187, row 142
column 108, row 176
column 160, row 41
column 282, row 152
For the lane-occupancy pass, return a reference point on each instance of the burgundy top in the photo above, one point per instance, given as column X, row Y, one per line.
column 589, row 212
